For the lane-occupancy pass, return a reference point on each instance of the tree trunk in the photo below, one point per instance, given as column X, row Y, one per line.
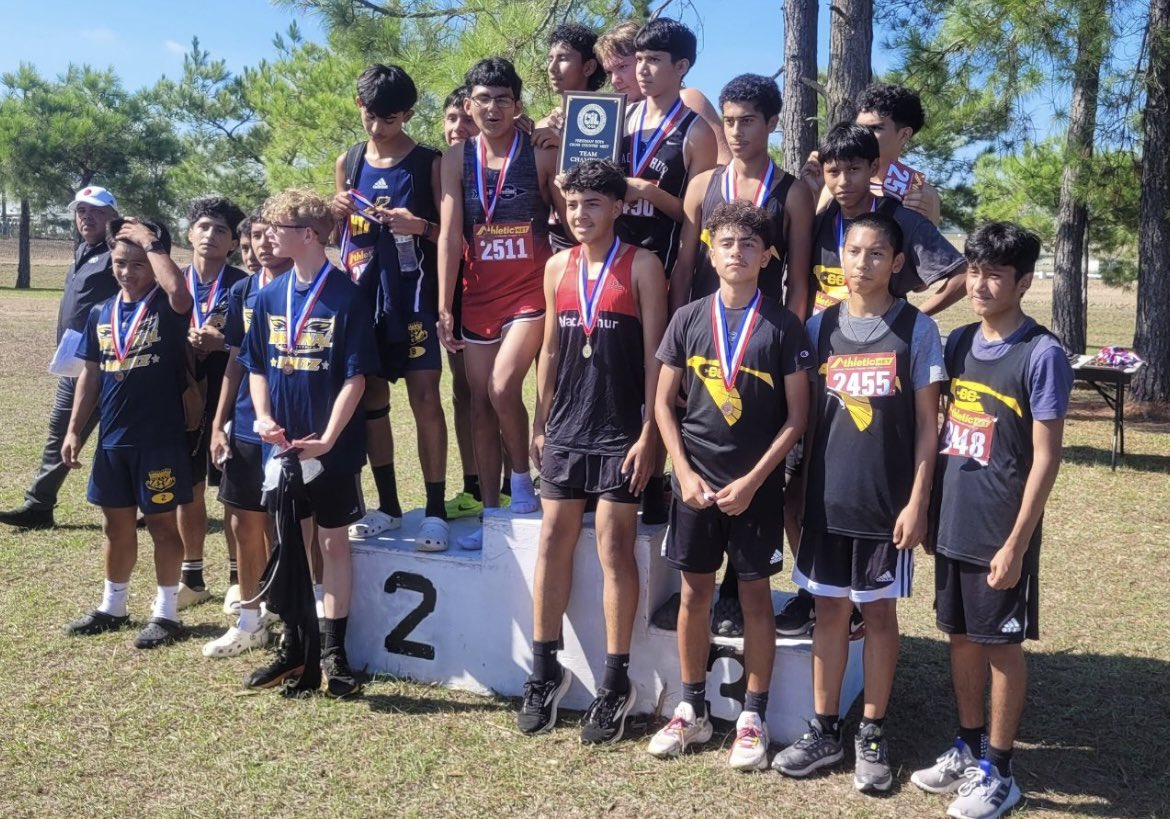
column 1072, row 219
column 1152, row 336
column 799, row 119
column 850, row 49
column 23, row 256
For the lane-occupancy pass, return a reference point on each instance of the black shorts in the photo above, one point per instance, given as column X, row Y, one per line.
column 243, row 473
column 199, row 448
column 862, row 569
column 566, row 475
column 753, row 542
column 965, row 604
column 794, row 460
column 334, row 500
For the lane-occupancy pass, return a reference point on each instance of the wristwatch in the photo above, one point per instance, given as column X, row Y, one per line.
column 156, row 247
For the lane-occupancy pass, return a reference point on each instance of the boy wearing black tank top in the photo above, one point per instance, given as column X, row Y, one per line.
column 591, row 437
column 390, row 250
column 740, row 357
column 870, row 461
column 1000, row 452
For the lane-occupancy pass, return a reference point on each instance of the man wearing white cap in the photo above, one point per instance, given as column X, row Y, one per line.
column 89, row 282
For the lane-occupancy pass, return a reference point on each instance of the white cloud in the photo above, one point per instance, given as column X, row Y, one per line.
column 178, row 49
column 98, row 35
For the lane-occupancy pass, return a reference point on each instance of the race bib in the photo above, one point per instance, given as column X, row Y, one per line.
column 640, row 207
column 502, row 242
column 862, row 375
column 968, row 434
column 901, row 179
column 823, row 301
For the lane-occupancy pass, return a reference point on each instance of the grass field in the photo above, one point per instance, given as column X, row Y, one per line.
column 93, row 728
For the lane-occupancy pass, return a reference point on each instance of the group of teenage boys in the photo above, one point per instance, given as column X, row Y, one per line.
column 693, row 300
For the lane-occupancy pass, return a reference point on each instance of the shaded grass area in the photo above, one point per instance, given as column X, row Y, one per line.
column 92, row 728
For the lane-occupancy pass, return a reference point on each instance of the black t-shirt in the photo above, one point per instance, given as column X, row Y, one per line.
column 89, row 282
column 723, row 448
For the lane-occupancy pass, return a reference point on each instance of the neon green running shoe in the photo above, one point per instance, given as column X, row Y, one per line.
column 463, row 505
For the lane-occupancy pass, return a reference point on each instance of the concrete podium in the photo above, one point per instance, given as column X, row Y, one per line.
column 464, row 620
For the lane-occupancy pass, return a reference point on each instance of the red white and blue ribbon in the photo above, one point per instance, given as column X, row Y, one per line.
column 481, row 168
column 589, row 305
column 200, row 313
column 122, row 342
column 731, row 185
column 731, row 356
column 873, row 206
column 639, row 160
column 293, row 331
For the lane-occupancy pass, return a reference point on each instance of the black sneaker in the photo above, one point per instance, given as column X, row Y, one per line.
column 95, row 622
column 159, row 631
column 288, row 664
column 340, row 680
column 538, row 711
column 727, row 617
column 26, row 517
column 605, row 720
column 796, row 615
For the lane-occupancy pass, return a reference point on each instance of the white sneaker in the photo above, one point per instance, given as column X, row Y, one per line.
column 432, row 535
column 750, row 750
column 374, row 523
column 231, row 600
column 235, row 642
column 949, row 771
column 985, row 794
column 683, row 729
column 472, row 542
column 190, row 597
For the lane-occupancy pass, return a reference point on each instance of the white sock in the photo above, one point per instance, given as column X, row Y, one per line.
column 249, row 620
column 166, row 603
column 114, row 598
column 319, row 596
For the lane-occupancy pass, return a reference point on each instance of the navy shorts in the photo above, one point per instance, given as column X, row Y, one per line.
column 420, row 352
column 155, row 479
column 242, row 476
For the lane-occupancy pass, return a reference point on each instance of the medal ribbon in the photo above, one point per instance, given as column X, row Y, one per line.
column 729, row 364
column 293, row 332
column 665, row 128
column 873, row 203
column 122, row 343
column 481, row 169
column 590, row 307
column 731, row 185
column 198, row 315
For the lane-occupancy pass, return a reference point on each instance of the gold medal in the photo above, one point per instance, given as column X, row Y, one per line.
column 727, row 409
column 587, row 350
column 287, row 369
column 118, row 376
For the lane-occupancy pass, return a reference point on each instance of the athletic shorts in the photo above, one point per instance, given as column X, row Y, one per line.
column 566, row 475
column 155, row 479
column 242, row 476
column 753, row 542
column 334, row 500
column 794, row 460
column 420, row 352
column 862, row 569
column 457, row 306
column 965, row 604
column 199, row 450
column 489, row 329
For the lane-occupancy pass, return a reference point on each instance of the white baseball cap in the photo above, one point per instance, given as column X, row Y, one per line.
column 93, row 195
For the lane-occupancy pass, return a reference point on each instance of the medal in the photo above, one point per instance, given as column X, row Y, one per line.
column 121, row 342
column 200, row 314
column 118, row 376
column 287, row 369
column 589, row 305
column 292, row 330
column 639, row 160
column 731, row 185
column 731, row 357
column 481, row 169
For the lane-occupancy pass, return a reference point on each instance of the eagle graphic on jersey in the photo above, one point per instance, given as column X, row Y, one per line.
column 708, row 372
column 859, row 408
column 969, row 395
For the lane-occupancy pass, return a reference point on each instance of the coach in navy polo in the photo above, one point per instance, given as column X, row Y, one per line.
column 90, row 281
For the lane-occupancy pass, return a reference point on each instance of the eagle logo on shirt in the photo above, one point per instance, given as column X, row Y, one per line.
column 708, row 372
column 859, row 408
column 969, row 395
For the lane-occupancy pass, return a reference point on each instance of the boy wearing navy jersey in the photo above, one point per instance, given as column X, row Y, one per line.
column 213, row 234
column 740, row 359
column 237, row 447
column 389, row 247
column 135, row 353
column 869, row 469
column 307, row 351
column 1000, row 452
column 606, row 303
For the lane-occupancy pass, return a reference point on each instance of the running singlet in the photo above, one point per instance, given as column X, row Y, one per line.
column 861, row 468
column 640, row 223
column 771, row 282
column 828, row 278
column 597, row 400
column 985, row 451
column 505, row 253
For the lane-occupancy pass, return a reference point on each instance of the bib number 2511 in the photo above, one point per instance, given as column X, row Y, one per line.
column 396, row 640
